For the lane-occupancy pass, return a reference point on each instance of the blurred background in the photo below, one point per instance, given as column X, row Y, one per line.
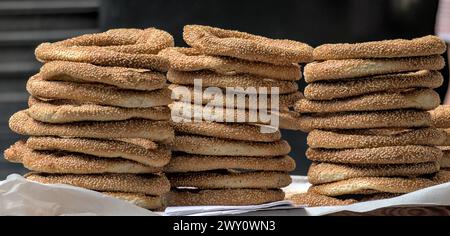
column 24, row 24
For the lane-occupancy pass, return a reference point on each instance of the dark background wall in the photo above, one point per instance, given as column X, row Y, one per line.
column 312, row 21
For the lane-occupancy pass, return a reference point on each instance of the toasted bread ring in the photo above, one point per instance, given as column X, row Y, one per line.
column 333, row 70
column 196, row 163
column 371, row 138
column 314, row 200
column 155, row 185
column 370, row 185
column 97, row 93
column 125, row 78
column 22, row 123
column 424, row 46
column 215, row 41
column 225, row 197
column 421, row 99
column 190, row 59
column 381, row 155
column 320, row 173
column 440, row 116
column 139, row 199
column 133, row 48
column 229, row 82
column 391, row 82
column 221, row 147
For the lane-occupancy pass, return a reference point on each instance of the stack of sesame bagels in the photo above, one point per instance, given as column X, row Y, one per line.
column 366, row 109
column 218, row 161
column 441, row 119
column 98, row 115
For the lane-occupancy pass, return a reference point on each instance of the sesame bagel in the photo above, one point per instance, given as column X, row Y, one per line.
column 424, row 46
column 133, row 48
column 157, row 157
column 22, row 123
column 59, row 162
column 314, row 200
column 421, row 99
column 139, row 199
column 155, row 185
column 391, row 82
column 223, row 197
column 97, row 93
column 381, row 155
column 125, row 78
column 333, row 70
column 371, row 138
column 220, row 42
column 440, row 116
column 243, row 83
column 371, row 185
column 320, row 173
column 230, row 180
column 194, row 163
column 365, row 120
column 222, row 147
column 190, row 59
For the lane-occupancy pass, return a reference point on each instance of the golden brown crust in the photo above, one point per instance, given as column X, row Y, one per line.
column 221, row 147
column 22, row 123
column 215, row 41
column 320, row 173
column 229, row 82
column 365, row 120
column 196, row 163
column 445, row 160
column 244, row 132
column 391, row 82
column 190, row 59
column 441, row 116
column 443, row 176
column 59, row 111
column 97, row 93
column 156, row 185
column 446, row 141
column 316, row 200
column 139, row 199
column 421, row 99
column 226, row 197
column 230, row 180
column 58, row 162
column 371, row 138
column 352, row 68
column 125, row 78
column 133, row 48
column 381, row 155
column 103, row 148
column 370, row 185
column 424, row 46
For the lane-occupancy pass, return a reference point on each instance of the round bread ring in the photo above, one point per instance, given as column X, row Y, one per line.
column 103, row 148
column 239, row 83
column 244, row 132
column 440, row 116
column 190, row 59
column 371, row 185
column 22, row 123
column 391, row 82
column 424, row 46
column 381, row 155
column 221, row 147
column 125, row 78
column 321, row 173
column 187, row 94
column 97, row 93
column 58, row 162
column 372, row 138
column 365, row 120
column 220, row 42
column 230, row 180
column 197, row 163
column 333, row 70
column 316, row 200
column 421, row 99
column 133, row 48
column 155, row 185
column 139, row 199
column 443, row 176
column 223, row 197
column 60, row 111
